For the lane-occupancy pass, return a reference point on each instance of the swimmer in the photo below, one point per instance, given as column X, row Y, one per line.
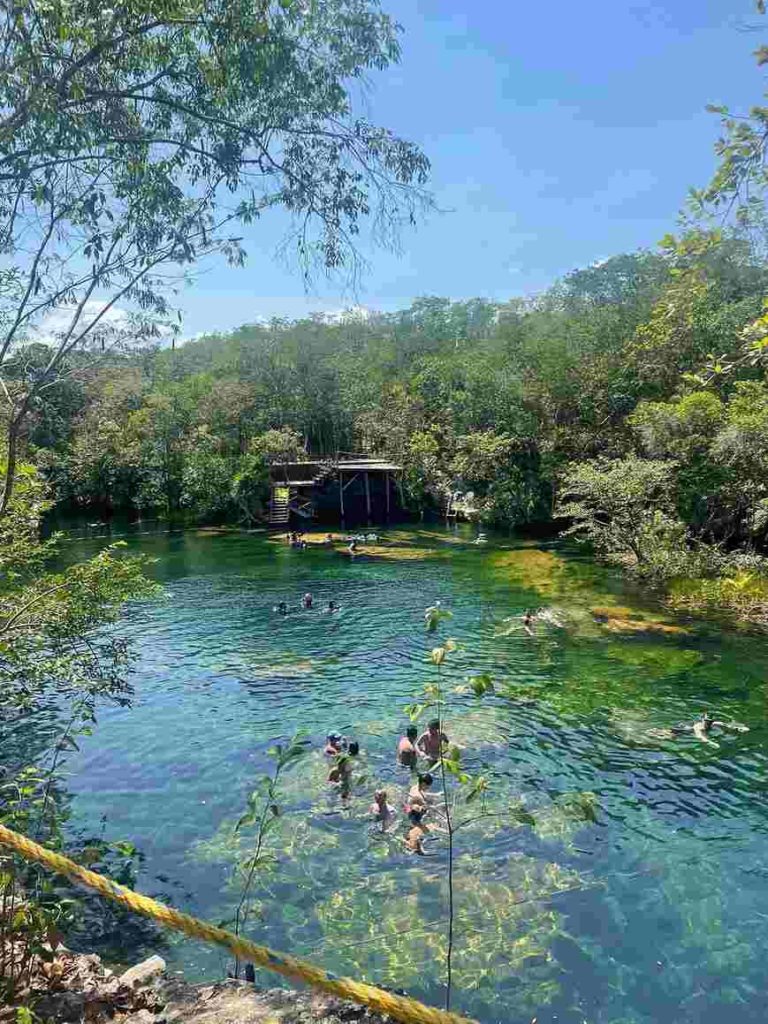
column 328, row 539
column 707, row 723
column 430, row 743
column 407, row 754
column 352, row 549
column 282, row 608
column 334, row 744
column 382, row 810
column 419, row 796
column 306, row 601
column 332, row 607
column 528, row 620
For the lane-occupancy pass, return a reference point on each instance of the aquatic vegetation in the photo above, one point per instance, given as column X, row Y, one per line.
column 398, row 554
column 542, row 571
column 289, row 669
column 624, row 620
column 660, row 660
column 502, row 928
column 579, row 806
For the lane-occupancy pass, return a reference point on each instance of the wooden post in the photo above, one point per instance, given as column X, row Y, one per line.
column 388, row 483
column 341, row 499
column 368, row 497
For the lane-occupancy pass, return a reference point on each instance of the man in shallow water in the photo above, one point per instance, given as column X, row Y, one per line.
column 430, row 743
column 407, row 754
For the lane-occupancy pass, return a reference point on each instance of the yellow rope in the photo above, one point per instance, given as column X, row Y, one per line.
column 401, row 1008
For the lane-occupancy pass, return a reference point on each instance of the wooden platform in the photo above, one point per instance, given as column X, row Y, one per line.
column 309, row 480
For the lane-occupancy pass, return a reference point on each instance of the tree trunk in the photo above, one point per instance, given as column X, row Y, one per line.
column 9, row 479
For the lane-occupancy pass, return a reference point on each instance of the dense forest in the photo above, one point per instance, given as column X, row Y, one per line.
column 628, row 402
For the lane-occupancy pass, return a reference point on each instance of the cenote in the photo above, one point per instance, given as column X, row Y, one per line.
column 619, row 875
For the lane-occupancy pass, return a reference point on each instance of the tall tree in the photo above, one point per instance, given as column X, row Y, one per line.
column 135, row 136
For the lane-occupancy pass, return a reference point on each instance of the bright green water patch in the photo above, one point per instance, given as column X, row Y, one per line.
column 615, row 871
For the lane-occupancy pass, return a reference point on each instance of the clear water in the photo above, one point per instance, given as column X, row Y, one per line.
column 646, row 902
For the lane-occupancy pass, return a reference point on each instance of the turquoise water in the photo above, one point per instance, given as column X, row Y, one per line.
column 632, row 889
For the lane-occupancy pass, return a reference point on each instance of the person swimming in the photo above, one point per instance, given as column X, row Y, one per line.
column 332, row 607
column 352, row 549
column 407, row 754
column 430, row 743
column 328, row 539
column 282, row 608
column 704, row 726
column 528, row 620
column 380, row 808
column 306, row 601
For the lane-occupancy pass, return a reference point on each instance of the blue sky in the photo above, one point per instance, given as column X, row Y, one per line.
column 559, row 134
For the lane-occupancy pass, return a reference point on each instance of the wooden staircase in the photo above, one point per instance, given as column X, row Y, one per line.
column 279, row 506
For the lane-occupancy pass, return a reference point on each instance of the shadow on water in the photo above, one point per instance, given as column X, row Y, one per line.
column 618, row 874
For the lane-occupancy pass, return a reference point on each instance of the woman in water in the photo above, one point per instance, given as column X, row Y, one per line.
column 419, row 797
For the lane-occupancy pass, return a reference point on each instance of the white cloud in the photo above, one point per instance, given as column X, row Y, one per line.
column 57, row 321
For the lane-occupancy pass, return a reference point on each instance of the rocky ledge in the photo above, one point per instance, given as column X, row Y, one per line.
column 79, row 989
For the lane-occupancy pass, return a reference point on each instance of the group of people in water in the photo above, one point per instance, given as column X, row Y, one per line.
column 419, row 809
column 298, row 539
column 306, row 604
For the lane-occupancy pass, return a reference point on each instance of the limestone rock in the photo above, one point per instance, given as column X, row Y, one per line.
column 143, row 973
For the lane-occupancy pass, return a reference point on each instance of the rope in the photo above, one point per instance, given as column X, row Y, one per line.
column 400, row 1008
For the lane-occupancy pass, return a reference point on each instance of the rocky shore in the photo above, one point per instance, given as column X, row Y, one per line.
column 80, row 989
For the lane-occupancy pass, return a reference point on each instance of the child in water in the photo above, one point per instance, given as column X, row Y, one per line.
column 334, row 744
column 414, row 841
column 382, row 810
